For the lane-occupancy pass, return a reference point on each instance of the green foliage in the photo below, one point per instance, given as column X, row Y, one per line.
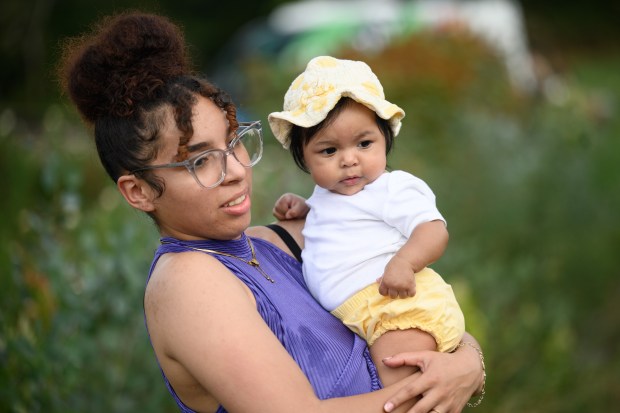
column 529, row 188
column 530, row 191
column 74, row 260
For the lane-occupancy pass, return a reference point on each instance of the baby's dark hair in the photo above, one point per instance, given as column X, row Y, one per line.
column 126, row 78
column 299, row 137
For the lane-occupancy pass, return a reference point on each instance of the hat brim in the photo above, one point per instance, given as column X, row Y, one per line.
column 282, row 122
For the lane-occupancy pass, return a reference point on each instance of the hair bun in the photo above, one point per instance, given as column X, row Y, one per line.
column 123, row 64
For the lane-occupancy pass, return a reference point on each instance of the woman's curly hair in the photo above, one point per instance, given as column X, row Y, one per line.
column 125, row 77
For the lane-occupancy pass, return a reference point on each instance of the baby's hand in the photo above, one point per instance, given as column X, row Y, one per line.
column 398, row 280
column 290, row 206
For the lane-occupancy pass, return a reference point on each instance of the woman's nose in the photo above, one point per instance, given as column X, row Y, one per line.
column 234, row 170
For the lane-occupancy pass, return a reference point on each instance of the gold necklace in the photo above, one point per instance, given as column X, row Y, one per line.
column 253, row 262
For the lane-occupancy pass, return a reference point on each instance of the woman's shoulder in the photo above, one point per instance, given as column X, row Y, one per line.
column 179, row 277
column 189, row 304
column 292, row 227
column 265, row 233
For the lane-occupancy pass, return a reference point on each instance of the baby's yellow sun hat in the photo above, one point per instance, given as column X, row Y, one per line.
column 316, row 91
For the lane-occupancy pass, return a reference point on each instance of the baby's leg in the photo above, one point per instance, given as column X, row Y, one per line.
column 399, row 341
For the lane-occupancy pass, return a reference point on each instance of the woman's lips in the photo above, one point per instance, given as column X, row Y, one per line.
column 238, row 206
column 236, row 201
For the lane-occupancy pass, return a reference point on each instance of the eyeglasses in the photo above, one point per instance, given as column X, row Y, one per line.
column 209, row 167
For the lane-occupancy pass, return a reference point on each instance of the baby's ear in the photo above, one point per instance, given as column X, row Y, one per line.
column 136, row 192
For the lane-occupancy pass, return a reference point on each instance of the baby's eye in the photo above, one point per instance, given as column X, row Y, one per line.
column 328, row 151
column 365, row 144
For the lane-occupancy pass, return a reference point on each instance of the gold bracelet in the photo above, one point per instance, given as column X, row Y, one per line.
column 484, row 372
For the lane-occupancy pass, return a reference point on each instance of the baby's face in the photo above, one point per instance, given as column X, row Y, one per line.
column 349, row 153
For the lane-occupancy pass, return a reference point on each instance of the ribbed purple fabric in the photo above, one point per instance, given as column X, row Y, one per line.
column 336, row 361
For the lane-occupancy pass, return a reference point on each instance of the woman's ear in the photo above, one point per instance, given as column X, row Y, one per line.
column 137, row 192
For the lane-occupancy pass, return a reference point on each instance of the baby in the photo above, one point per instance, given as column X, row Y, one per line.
column 369, row 234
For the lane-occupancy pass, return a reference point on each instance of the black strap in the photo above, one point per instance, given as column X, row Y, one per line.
column 288, row 240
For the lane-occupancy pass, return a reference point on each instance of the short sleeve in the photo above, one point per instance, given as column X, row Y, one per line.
column 410, row 203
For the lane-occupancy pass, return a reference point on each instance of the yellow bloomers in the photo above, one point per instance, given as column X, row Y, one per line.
column 433, row 309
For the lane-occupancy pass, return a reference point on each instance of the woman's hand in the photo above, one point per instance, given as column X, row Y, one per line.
column 447, row 382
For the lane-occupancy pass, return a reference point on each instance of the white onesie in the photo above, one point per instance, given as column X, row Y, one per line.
column 350, row 239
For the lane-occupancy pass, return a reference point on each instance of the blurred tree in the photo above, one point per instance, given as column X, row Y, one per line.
column 30, row 32
column 566, row 31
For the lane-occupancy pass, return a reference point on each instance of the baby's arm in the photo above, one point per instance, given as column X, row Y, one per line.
column 290, row 206
column 426, row 244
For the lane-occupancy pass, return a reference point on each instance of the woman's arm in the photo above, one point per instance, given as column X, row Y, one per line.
column 293, row 227
column 208, row 335
column 213, row 344
column 448, row 380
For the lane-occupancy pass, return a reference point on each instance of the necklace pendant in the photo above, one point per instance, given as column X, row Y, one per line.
column 265, row 275
column 253, row 262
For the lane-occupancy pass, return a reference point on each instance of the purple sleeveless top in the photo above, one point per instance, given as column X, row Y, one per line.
column 336, row 361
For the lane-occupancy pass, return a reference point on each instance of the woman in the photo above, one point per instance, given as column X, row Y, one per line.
column 229, row 318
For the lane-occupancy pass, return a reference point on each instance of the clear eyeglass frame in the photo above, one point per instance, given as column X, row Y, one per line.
column 245, row 132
